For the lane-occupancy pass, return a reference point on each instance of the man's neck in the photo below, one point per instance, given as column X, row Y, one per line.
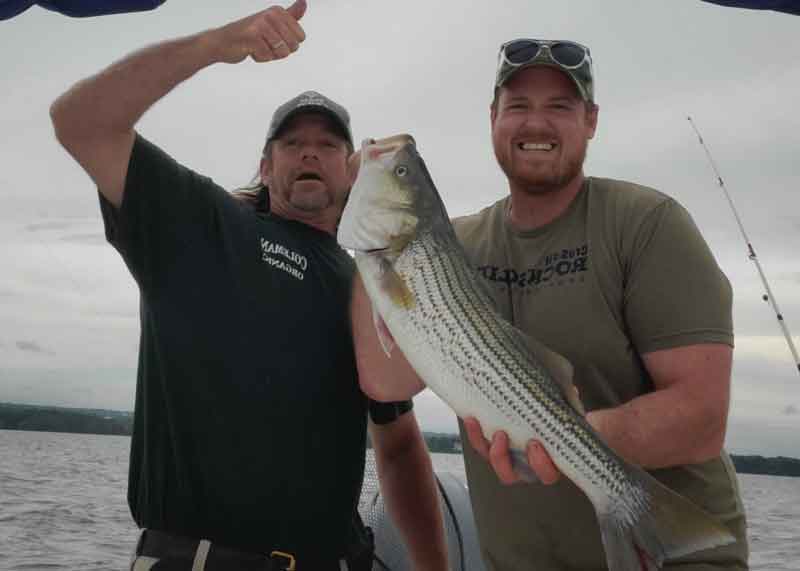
column 531, row 210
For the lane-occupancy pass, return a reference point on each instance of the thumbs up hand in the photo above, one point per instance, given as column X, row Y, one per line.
column 271, row 34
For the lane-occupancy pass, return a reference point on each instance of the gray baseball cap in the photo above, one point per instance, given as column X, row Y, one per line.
column 310, row 102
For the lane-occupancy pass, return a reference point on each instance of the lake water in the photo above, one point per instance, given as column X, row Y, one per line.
column 62, row 505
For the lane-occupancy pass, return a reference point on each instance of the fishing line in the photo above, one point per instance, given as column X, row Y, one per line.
column 751, row 253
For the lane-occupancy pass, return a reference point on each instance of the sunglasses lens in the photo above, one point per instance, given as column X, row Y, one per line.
column 521, row 51
column 568, row 55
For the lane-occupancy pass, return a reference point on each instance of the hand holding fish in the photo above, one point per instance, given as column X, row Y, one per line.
column 274, row 33
column 498, row 454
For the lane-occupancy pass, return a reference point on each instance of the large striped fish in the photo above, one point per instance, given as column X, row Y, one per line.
column 421, row 285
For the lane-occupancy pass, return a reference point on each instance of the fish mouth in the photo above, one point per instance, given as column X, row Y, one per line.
column 372, row 149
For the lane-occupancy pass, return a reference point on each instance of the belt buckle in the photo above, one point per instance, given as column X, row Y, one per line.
column 287, row 557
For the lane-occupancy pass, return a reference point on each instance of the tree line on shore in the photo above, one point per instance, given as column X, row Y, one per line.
column 57, row 419
column 97, row 421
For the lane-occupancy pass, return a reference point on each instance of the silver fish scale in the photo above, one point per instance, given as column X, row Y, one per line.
column 454, row 315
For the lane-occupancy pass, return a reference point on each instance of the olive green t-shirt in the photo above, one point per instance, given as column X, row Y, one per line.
column 623, row 272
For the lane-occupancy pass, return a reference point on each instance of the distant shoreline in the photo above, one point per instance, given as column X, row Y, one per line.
column 120, row 423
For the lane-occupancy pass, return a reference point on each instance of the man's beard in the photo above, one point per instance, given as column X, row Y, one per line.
column 552, row 180
column 310, row 203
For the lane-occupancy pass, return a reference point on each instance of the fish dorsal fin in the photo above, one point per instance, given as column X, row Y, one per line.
column 395, row 287
column 560, row 368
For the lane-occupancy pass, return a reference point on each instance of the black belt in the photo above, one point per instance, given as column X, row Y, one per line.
column 178, row 553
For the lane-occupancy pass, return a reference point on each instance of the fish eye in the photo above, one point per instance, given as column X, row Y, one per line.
column 401, row 170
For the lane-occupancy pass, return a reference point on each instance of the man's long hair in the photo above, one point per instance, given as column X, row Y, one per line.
column 255, row 194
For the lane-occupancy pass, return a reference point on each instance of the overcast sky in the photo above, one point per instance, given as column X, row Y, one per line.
column 69, row 310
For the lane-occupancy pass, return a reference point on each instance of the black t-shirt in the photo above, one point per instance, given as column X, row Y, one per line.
column 249, row 423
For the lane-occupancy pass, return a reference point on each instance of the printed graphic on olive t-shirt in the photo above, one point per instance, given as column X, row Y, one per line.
column 556, row 269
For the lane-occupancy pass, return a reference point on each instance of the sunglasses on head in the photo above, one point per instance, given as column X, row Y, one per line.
column 569, row 55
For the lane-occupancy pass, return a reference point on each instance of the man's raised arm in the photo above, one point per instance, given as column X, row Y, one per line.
column 94, row 120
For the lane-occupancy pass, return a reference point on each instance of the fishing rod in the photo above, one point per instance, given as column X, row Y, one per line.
column 751, row 253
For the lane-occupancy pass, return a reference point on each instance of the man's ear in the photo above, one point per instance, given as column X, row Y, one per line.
column 591, row 118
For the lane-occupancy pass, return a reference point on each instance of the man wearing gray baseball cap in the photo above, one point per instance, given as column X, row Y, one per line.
column 249, row 434
column 307, row 103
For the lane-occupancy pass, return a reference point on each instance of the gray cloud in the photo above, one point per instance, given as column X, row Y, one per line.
column 57, row 288
column 130, row 313
column 71, row 387
column 32, row 347
column 765, row 438
column 85, row 239
column 51, row 225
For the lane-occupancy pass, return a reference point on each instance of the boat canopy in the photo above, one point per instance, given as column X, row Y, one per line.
column 78, row 8
column 788, row 6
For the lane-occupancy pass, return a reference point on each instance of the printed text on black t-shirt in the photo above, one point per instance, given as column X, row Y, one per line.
column 281, row 257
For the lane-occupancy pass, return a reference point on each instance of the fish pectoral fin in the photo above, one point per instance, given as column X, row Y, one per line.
column 384, row 335
column 561, row 370
column 396, row 288
column 399, row 242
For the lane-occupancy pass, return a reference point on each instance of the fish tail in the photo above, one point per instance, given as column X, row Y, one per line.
column 654, row 525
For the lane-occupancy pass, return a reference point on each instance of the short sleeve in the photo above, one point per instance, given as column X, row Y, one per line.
column 675, row 293
column 166, row 209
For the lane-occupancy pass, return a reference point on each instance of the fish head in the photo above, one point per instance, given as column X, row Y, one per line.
column 392, row 200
